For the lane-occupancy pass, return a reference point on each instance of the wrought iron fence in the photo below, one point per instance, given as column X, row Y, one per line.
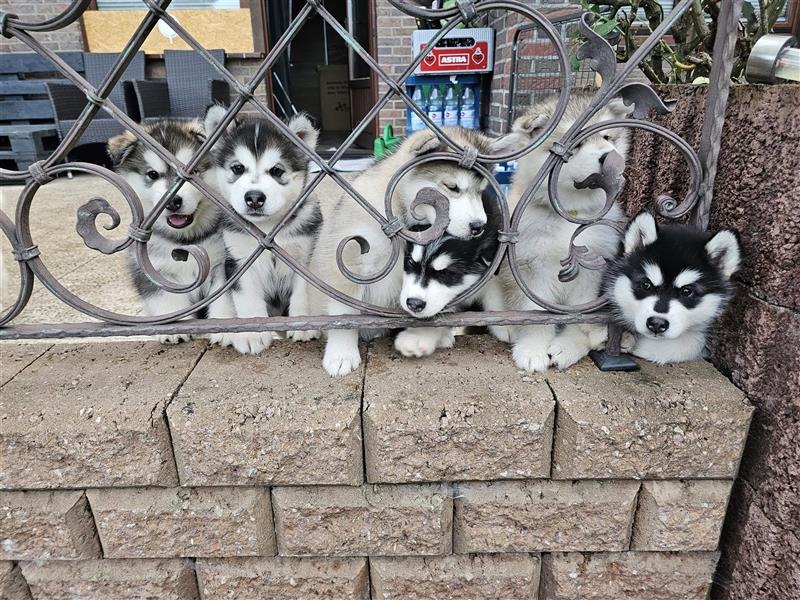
column 595, row 51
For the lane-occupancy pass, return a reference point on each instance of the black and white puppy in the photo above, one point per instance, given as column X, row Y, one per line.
column 261, row 173
column 669, row 286
column 434, row 275
column 188, row 219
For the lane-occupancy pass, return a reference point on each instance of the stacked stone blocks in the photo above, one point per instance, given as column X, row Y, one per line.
column 130, row 469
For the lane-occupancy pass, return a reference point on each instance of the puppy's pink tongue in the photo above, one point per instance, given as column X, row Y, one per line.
column 179, row 221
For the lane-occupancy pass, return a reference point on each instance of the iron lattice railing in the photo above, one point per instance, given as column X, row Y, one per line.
column 595, row 51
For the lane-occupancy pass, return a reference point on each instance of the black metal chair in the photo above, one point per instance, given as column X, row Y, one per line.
column 190, row 87
column 68, row 101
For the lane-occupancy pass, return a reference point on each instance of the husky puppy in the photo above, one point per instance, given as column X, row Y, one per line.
column 462, row 188
column 262, row 173
column 188, row 219
column 435, row 274
column 669, row 285
column 544, row 236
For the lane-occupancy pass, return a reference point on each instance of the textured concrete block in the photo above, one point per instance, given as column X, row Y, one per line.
column 284, row 578
column 488, row 577
column 678, row 421
column 370, row 520
column 543, row 516
column 628, row 576
column 680, row 515
column 281, row 420
column 464, row 413
column 183, row 522
column 12, row 584
column 15, row 358
column 112, row 579
column 91, row 415
column 46, row 525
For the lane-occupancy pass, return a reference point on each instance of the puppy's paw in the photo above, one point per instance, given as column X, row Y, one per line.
column 304, row 336
column 251, row 343
column 174, row 339
column 501, row 332
column 341, row 362
column 221, row 339
column 423, row 342
column 628, row 342
column 446, row 339
column 565, row 353
column 531, row 357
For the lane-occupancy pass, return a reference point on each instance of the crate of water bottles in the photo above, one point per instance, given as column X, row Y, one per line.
column 448, row 100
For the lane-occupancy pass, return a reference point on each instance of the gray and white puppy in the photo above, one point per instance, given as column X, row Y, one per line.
column 544, row 236
column 261, row 173
column 188, row 219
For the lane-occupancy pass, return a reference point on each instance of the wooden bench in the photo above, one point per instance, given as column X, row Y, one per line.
column 27, row 123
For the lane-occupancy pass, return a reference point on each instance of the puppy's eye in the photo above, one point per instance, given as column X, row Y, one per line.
column 452, row 187
column 276, row 172
column 237, row 168
column 646, row 285
column 153, row 175
column 687, row 291
column 607, row 138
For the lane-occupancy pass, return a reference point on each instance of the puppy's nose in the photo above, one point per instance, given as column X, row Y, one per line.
column 603, row 157
column 476, row 228
column 657, row 324
column 415, row 304
column 255, row 199
column 175, row 203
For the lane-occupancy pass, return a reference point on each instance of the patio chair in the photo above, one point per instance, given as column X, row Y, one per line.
column 68, row 101
column 190, row 87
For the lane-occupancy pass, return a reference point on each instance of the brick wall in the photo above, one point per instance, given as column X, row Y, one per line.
column 63, row 40
column 131, row 470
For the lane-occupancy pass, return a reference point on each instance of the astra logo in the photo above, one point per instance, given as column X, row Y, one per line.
column 454, row 59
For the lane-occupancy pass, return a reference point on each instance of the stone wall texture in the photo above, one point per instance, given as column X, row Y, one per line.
column 272, row 496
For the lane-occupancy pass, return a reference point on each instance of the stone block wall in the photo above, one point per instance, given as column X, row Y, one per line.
column 133, row 470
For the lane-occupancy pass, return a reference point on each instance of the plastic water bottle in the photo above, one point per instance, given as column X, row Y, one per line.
column 435, row 113
column 467, row 117
column 451, row 113
column 418, row 97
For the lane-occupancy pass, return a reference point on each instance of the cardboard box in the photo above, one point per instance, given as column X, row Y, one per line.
column 334, row 95
column 460, row 51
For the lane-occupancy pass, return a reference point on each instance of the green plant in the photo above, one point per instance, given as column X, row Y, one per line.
column 688, row 55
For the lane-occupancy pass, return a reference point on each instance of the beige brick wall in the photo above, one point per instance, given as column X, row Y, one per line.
column 275, row 498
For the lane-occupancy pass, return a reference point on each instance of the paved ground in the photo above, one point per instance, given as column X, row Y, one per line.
column 95, row 277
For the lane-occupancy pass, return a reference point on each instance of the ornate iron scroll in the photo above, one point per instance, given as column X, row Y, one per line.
column 598, row 53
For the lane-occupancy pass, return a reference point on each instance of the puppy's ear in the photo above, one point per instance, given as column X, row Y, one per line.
column 214, row 116
column 195, row 128
column 120, row 147
column 528, row 124
column 423, row 142
column 510, row 142
column 618, row 108
column 725, row 252
column 301, row 125
column 641, row 231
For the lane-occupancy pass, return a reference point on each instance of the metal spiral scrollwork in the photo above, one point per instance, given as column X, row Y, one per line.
column 595, row 51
